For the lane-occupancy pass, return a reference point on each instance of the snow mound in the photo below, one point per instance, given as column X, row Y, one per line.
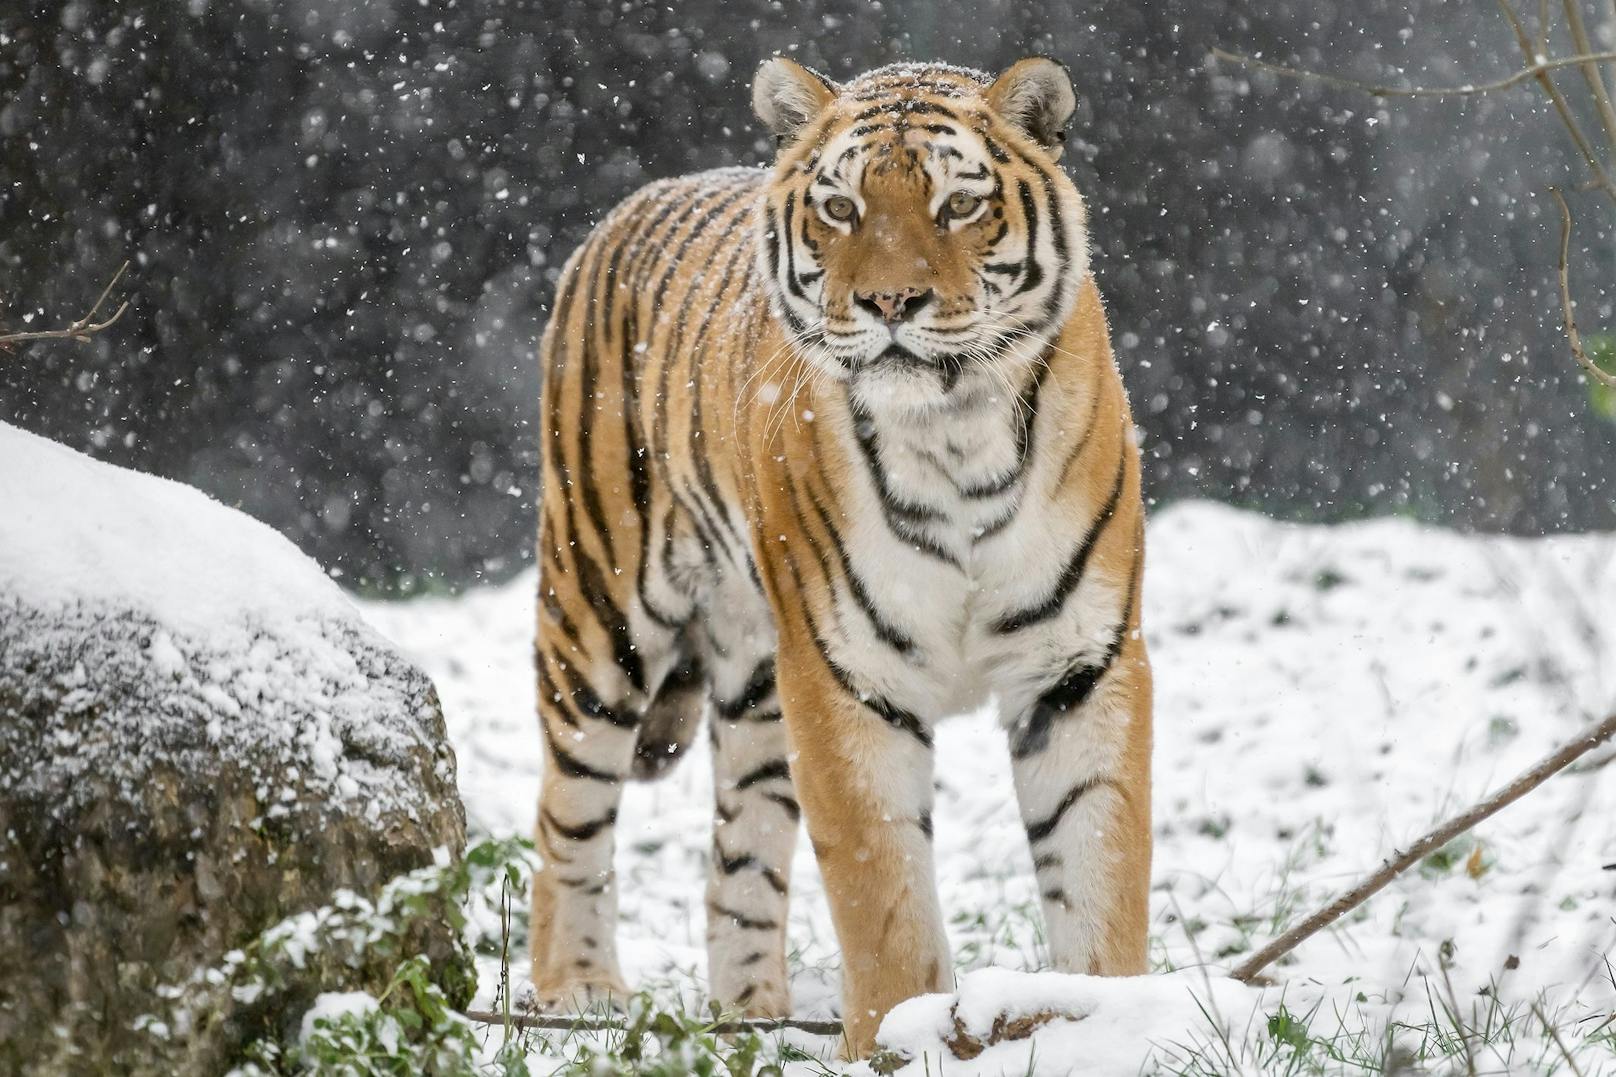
column 77, row 530
column 1047, row 1024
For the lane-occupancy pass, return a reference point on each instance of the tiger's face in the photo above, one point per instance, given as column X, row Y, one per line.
column 917, row 236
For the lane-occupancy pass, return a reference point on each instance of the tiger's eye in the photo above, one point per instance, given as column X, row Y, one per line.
column 840, row 208
column 962, row 204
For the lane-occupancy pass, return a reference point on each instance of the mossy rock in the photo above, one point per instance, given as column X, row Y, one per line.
column 165, row 797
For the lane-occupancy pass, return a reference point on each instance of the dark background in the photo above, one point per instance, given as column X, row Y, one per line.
column 346, row 218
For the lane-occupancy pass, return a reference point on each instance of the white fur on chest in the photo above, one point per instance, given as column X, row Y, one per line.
column 986, row 549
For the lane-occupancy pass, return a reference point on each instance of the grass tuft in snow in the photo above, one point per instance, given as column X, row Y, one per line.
column 1431, row 1031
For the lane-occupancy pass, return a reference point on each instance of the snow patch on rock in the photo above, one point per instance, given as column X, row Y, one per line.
column 77, row 530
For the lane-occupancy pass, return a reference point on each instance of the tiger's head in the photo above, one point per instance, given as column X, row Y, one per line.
column 916, row 234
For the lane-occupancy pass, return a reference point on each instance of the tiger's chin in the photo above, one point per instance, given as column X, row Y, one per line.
column 903, row 382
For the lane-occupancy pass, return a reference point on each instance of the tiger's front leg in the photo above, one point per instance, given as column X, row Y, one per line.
column 1081, row 759
column 863, row 773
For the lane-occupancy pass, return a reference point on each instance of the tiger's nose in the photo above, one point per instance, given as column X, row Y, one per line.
column 894, row 306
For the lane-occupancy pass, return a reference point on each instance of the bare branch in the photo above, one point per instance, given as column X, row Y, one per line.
column 1538, row 69
column 1377, row 90
column 82, row 329
column 1590, row 70
column 612, row 1024
column 1561, row 106
column 1432, row 841
column 1566, row 306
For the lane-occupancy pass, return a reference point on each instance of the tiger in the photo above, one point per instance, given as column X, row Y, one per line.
column 831, row 449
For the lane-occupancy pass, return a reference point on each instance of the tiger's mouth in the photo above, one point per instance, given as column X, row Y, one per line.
column 898, row 354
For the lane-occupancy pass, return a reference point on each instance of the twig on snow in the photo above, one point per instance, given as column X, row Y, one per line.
column 1432, row 841
column 610, row 1024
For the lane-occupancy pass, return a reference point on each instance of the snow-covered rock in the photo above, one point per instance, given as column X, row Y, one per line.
column 199, row 735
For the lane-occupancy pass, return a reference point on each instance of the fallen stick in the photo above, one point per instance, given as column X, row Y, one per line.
column 617, row 1024
column 1430, row 843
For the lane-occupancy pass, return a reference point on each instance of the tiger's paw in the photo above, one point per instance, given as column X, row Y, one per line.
column 581, row 996
column 760, row 1001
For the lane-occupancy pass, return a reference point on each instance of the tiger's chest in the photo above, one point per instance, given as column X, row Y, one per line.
column 950, row 528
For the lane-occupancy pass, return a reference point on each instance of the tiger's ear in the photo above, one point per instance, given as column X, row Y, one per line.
column 787, row 96
column 1035, row 96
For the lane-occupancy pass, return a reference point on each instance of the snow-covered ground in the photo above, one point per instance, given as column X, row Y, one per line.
column 1324, row 695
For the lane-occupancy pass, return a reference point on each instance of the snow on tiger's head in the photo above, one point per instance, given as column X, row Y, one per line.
column 917, row 235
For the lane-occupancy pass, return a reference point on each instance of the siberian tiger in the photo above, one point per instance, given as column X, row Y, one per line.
column 831, row 451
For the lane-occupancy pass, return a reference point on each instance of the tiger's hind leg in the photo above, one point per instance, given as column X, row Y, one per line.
column 593, row 724
column 589, row 752
column 755, row 823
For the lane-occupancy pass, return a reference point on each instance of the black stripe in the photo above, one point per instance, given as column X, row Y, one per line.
column 1077, row 685
column 587, row 576
column 659, row 304
column 1028, row 406
column 548, row 602
column 741, row 921
column 1072, row 574
column 706, row 529
column 704, row 468
column 1082, row 441
column 758, row 689
column 548, row 692
column 894, row 716
column 902, row 517
column 639, row 471
column 1039, row 831
column 791, row 251
column 792, row 808
column 583, row 831
column 593, row 589
column 732, row 865
column 1057, row 231
column 582, row 479
column 906, row 106
column 884, row 630
column 814, row 546
column 1070, row 692
column 571, row 765
column 773, row 769
column 1034, row 273
column 584, row 698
